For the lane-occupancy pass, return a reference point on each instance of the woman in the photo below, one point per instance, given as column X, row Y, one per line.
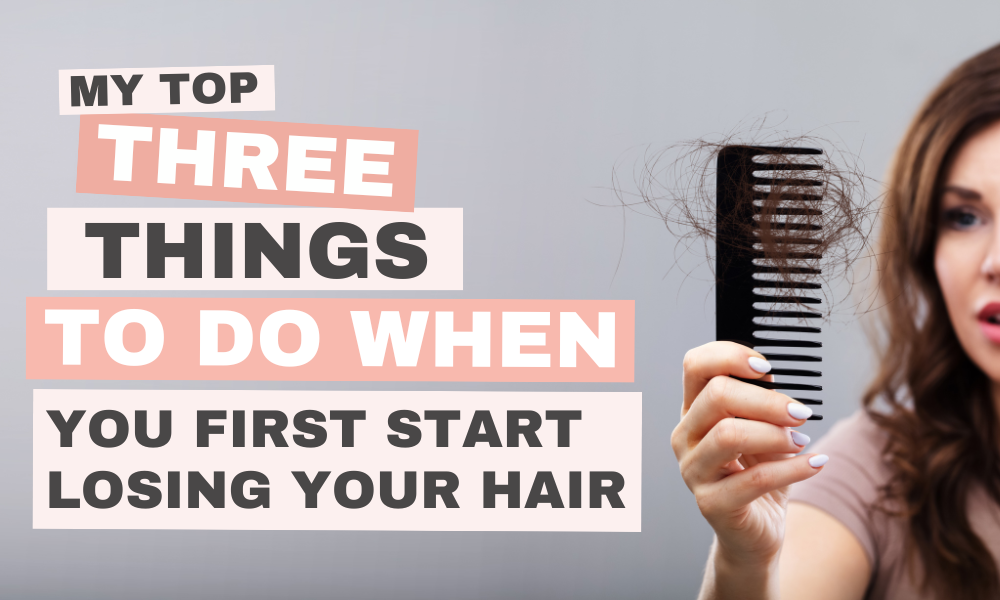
column 909, row 504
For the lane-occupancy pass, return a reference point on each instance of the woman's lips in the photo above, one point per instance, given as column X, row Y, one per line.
column 986, row 316
column 991, row 331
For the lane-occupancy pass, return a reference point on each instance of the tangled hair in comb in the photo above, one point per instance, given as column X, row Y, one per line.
column 806, row 219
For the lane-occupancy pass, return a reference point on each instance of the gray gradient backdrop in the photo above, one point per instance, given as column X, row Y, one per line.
column 523, row 109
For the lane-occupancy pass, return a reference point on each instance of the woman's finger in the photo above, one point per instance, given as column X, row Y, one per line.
column 761, row 458
column 800, row 439
column 731, row 439
column 705, row 362
column 743, row 487
column 725, row 397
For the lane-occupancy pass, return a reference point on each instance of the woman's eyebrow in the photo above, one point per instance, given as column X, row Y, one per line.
column 964, row 193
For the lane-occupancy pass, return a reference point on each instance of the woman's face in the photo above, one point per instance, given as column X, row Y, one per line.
column 967, row 255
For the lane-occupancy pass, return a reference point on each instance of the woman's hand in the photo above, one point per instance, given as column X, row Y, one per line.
column 737, row 454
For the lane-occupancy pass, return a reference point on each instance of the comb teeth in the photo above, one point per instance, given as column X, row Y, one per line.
column 739, row 277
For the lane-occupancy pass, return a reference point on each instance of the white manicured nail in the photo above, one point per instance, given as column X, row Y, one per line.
column 818, row 461
column 800, row 439
column 760, row 365
column 799, row 411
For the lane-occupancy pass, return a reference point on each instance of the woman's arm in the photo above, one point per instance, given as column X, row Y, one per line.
column 730, row 577
column 820, row 558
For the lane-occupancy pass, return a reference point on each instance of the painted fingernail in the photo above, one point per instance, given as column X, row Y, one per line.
column 799, row 411
column 818, row 461
column 760, row 365
column 800, row 439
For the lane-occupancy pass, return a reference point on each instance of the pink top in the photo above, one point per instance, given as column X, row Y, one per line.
column 847, row 489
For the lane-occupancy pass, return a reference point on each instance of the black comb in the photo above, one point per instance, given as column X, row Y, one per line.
column 738, row 192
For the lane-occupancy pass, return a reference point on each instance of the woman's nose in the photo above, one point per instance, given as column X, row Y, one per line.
column 991, row 262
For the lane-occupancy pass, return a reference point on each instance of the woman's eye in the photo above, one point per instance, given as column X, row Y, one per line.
column 960, row 218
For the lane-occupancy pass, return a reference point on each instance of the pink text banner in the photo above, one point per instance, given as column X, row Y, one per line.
column 261, row 162
column 339, row 339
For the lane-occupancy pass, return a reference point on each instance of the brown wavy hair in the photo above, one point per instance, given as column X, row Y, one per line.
column 931, row 399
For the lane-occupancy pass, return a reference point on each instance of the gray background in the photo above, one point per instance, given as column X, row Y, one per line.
column 523, row 110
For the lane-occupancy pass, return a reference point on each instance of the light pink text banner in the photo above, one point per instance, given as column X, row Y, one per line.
column 379, row 250
column 263, row 162
column 166, row 90
column 338, row 339
column 557, row 461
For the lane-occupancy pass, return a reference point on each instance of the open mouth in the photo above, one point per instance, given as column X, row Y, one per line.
column 990, row 313
column 989, row 321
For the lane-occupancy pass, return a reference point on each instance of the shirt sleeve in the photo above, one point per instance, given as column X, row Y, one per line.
column 850, row 483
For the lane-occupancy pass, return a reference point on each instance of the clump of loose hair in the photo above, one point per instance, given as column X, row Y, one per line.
column 805, row 219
